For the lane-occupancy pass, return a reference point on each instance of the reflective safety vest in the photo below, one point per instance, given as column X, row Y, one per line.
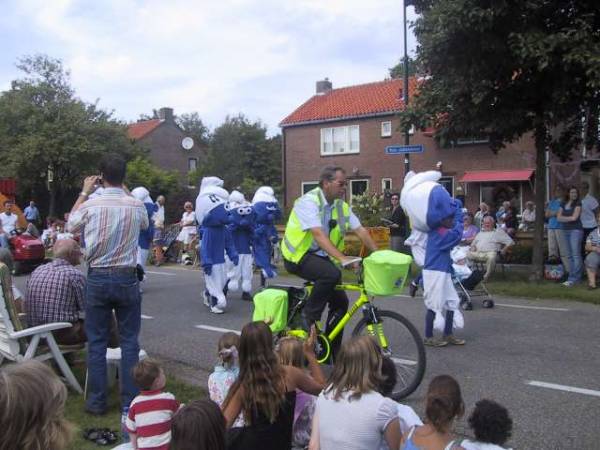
column 296, row 241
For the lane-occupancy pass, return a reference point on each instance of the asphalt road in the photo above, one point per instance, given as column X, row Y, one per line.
column 541, row 359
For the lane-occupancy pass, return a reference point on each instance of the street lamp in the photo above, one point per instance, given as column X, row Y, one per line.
column 405, row 90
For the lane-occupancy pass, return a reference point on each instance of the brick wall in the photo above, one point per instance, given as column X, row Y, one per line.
column 304, row 160
column 166, row 151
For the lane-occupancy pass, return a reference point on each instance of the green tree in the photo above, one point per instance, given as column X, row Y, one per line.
column 192, row 124
column 505, row 69
column 398, row 70
column 142, row 172
column 241, row 153
column 49, row 139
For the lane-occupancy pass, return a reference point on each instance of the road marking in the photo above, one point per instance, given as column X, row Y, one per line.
column 405, row 362
column 561, row 387
column 162, row 273
column 144, row 316
column 217, row 329
column 544, row 308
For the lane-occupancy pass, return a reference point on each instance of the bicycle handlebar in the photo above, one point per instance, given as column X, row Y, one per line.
column 351, row 261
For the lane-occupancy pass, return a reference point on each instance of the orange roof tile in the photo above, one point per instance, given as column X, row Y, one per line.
column 352, row 101
column 140, row 129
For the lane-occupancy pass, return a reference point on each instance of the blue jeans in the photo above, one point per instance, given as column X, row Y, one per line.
column 109, row 289
column 448, row 325
column 573, row 239
column 4, row 241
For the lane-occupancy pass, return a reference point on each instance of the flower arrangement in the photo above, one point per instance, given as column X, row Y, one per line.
column 369, row 208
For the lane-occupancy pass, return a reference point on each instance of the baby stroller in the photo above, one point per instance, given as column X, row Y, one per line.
column 468, row 281
column 168, row 240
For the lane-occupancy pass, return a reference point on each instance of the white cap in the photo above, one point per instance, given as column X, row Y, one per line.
column 208, row 199
column 142, row 194
column 236, row 198
column 210, row 181
column 264, row 194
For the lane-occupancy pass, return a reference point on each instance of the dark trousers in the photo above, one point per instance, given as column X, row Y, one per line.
column 325, row 275
column 429, row 319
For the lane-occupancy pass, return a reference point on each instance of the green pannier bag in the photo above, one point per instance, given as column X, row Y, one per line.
column 271, row 306
column 385, row 272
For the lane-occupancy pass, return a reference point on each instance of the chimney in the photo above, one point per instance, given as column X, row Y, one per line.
column 324, row 86
column 165, row 114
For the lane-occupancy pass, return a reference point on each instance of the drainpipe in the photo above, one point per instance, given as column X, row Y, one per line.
column 283, row 169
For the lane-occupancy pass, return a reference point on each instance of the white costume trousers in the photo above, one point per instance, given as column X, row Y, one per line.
column 215, row 282
column 241, row 275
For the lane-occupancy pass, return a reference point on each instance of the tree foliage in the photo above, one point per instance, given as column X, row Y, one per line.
column 398, row 70
column 507, row 68
column 142, row 172
column 241, row 153
column 192, row 124
column 46, row 130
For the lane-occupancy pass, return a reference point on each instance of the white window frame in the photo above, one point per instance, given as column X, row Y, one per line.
column 383, row 180
column 305, row 183
column 471, row 141
column 347, row 140
column 189, row 161
column 386, row 133
column 451, row 178
column 355, row 180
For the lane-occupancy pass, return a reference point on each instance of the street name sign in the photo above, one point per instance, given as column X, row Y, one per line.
column 397, row 149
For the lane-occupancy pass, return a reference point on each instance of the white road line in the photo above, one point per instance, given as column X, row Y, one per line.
column 544, row 308
column 404, row 362
column 144, row 316
column 162, row 273
column 561, row 387
column 217, row 329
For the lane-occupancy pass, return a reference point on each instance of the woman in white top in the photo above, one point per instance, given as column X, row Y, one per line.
column 188, row 226
column 350, row 413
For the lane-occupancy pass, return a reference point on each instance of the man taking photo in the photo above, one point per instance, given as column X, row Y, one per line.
column 314, row 237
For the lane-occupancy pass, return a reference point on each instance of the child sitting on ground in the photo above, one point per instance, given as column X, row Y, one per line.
column 226, row 372
column 150, row 413
column 408, row 417
column 491, row 424
column 444, row 404
column 291, row 353
column 200, row 425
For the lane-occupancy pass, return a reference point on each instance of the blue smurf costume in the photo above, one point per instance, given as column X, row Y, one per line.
column 147, row 235
column 242, row 232
column 211, row 209
column 434, row 212
column 266, row 211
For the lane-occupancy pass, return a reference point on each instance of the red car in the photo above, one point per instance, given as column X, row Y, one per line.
column 28, row 252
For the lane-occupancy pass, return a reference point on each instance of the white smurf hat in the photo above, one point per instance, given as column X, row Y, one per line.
column 142, row 194
column 208, row 199
column 236, row 198
column 264, row 194
column 210, row 181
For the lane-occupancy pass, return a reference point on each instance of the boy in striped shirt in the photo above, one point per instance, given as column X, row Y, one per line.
column 150, row 413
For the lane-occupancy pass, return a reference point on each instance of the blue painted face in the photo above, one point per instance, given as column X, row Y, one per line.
column 242, row 215
column 219, row 215
column 267, row 212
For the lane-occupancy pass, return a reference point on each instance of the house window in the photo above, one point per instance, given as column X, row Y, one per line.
column 358, row 187
column 386, row 184
column 472, row 140
column 192, row 164
column 386, row 129
column 340, row 140
column 309, row 186
column 448, row 183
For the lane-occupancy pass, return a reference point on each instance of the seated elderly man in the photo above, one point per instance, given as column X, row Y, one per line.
column 592, row 260
column 55, row 293
column 487, row 244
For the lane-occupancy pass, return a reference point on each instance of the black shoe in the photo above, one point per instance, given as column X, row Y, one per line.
column 246, row 296
column 412, row 289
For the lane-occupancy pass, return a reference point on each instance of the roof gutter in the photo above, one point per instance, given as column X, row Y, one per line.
column 339, row 119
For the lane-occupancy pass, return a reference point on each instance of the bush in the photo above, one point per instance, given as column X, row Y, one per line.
column 368, row 207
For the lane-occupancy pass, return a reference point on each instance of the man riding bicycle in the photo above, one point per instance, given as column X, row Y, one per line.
column 314, row 235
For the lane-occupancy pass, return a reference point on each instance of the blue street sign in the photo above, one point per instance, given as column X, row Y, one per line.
column 396, row 149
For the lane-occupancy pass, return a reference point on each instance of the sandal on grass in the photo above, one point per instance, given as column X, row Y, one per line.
column 100, row 436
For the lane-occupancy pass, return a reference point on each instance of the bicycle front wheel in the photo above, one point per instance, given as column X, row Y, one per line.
column 400, row 340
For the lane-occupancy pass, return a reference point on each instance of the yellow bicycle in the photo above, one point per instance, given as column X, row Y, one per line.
column 396, row 335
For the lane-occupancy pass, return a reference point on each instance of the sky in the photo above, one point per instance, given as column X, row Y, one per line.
column 256, row 57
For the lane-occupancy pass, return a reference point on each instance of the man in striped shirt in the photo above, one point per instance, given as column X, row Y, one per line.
column 110, row 224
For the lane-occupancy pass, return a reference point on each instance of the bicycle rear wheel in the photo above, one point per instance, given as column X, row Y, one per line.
column 400, row 340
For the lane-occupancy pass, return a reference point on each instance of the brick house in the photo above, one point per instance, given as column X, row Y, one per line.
column 169, row 146
column 351, row 127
